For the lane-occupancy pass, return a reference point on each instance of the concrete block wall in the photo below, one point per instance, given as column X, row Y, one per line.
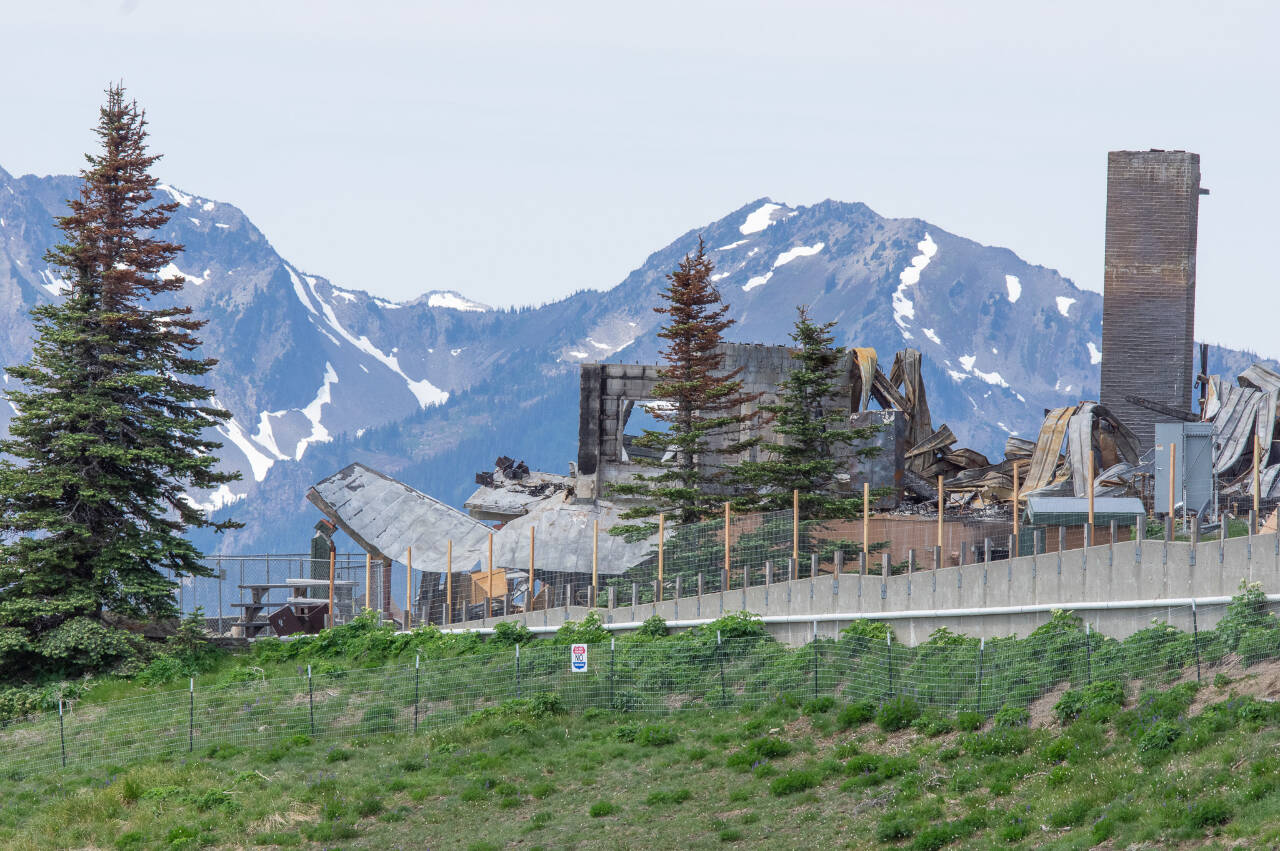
column 1125, row 571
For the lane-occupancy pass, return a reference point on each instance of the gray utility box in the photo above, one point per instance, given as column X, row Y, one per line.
column 1193, row 466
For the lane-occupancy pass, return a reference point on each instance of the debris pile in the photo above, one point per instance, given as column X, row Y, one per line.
column 510, row 489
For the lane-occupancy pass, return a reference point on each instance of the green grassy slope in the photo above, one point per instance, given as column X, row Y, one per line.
column 712, row 737
column 525, row 775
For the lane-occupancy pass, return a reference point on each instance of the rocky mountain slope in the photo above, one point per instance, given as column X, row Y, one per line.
column 432, row 389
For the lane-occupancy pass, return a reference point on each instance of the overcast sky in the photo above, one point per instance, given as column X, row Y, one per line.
column 519, row 151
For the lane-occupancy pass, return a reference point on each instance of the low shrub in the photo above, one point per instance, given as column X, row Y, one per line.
column 933, row 838
column 797, row 780
column 818, row 705
column 897, row 713
column 968, row 721
column 1098, row 701
column 655, row 736
column 601, row 809
column 857, row 713
column 1072, row 814
column 757, row 751
column 664, row 796
column 1209, row 812
column 1159, row 737
column 1259, row 644
column 933, row 723
column 1011, row 716
column 895, row 827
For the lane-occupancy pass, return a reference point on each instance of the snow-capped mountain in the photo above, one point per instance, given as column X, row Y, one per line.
column 434, row 388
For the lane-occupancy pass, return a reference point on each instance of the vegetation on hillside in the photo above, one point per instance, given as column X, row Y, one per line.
column 1189, row 765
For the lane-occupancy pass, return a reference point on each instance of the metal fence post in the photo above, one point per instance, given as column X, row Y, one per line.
column 191, row 719
column 518, row 684
column 982, row 650
column 815, row 659
column 311, row 701
column 888, row 643
column 62, row 736
column 417, row 673
column 1088, row 653
column 612, row 699
column 724, row 695
column 1195, row 638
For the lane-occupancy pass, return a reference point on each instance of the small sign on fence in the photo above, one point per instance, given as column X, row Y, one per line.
column 578, row 658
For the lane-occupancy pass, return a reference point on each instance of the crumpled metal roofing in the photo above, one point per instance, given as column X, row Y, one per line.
column 562, row 539
column 387, row 518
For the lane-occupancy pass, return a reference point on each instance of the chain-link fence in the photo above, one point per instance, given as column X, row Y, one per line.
column 245, row 587
column 696, row 670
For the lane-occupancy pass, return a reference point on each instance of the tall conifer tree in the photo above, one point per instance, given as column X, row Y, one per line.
column 813, row 429
column 702, row 405
column 109, row 433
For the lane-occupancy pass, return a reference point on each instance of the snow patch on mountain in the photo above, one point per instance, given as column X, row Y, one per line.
column 56, row 285
column 1064, row 305
column 259, row 461
column 759, row 219
column 903, row 307
column 799, row 251
column 220, row 498
column 991, row 378
column 782, row 259
column 453, row 301
column 928, row 332
column 171, row 271
column 1095, row 356
column 424, row 391
column 313, row 411
column 181, row 197
column 1015, row 288
column 732, row 245
column 300, row 291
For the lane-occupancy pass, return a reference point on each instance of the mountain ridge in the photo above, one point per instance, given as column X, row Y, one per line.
column 433, row 388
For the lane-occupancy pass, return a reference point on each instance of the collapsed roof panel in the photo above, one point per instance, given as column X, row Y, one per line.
column 563, row 539
column 387, row 518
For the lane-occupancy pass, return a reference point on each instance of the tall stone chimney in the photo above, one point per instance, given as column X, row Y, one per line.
column 1149, row 284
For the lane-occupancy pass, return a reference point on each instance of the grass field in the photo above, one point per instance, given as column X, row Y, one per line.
column 713, row 737
column 1183, row 767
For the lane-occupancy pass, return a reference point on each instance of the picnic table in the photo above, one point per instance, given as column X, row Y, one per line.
column 302, row 608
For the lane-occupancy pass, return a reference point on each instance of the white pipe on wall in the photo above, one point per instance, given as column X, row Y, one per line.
column 1101, row 605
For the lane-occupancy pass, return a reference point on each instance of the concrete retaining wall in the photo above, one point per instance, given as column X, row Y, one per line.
column 1098, row 577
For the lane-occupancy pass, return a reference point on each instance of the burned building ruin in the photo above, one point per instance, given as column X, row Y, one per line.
column 1149, row 285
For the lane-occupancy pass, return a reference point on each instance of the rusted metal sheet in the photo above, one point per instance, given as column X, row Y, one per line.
column 906, row 373
column 1235, row 424
column 865, row 376
column 1080, row 447
column 1048, row 451
column 1018, row 447
column 936, row 442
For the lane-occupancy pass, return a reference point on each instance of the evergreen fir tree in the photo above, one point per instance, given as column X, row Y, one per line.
column 701, row 404
column 812, row 429
column 109, row 435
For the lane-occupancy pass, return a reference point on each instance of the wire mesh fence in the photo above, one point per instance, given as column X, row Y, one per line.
column 698, row 670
